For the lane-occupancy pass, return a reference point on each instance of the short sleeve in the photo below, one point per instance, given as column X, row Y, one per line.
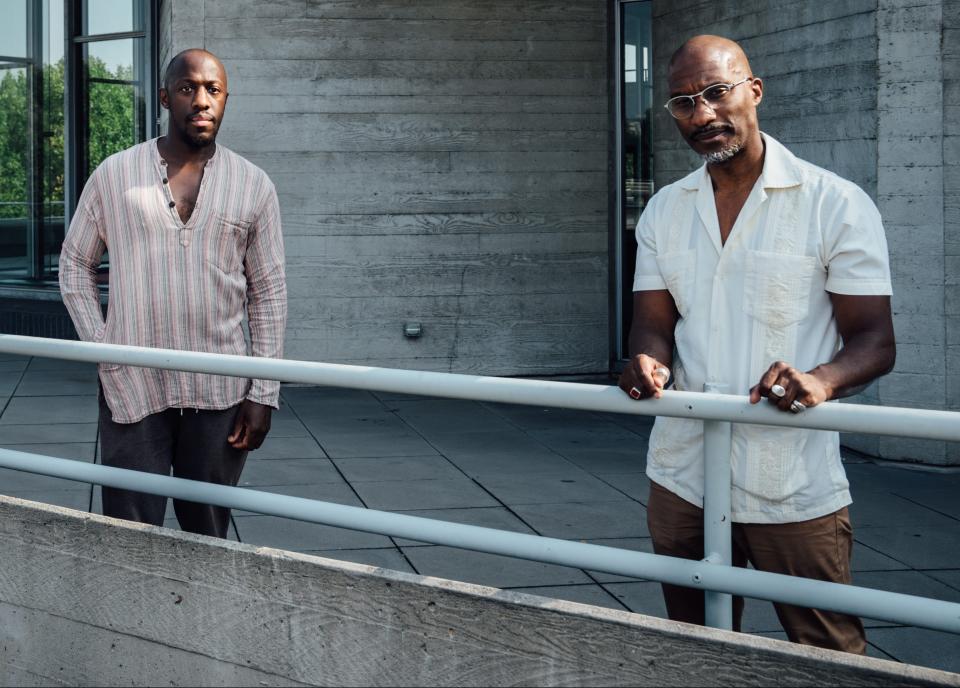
column 856, row 248
column 647, row 276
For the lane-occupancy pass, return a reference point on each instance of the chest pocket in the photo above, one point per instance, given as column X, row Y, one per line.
column 225, row 242
column 777, row 287
column 677, row 270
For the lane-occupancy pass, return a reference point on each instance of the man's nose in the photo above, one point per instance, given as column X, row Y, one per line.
column 703, row 113
column 201, row 99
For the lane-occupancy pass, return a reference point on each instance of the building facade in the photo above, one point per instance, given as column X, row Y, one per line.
column 475, row 168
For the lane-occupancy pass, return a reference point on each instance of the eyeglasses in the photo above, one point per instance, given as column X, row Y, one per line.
column 683, row 107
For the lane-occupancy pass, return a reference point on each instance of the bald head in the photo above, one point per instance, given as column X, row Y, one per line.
column 186, row 58
column 711, row 50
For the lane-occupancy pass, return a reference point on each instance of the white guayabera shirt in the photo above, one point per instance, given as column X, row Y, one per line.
column 761, row 297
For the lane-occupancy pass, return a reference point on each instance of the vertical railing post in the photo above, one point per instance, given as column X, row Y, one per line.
column 717, row 530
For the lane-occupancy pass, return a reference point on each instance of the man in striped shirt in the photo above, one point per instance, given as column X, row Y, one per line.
column 193, row 234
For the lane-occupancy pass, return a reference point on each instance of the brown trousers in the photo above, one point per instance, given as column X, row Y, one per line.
column 820, row 548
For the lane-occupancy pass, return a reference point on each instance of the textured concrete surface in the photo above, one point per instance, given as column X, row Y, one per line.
column 188, row 610
column 549, row 472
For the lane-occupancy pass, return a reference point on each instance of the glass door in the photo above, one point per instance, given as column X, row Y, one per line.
column 635, row 173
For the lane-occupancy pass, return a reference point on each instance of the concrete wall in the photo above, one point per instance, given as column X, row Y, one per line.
column 868, row 89
column 442, row 162
column 86, row 600
column 950, row 61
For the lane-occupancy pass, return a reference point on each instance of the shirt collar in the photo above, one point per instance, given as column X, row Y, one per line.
column 780, row 169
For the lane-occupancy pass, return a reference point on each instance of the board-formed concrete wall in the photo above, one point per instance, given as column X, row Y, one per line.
column 87, row 600
column 442, row 162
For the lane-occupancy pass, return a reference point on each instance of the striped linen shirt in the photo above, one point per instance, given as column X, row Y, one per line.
column 178, row 285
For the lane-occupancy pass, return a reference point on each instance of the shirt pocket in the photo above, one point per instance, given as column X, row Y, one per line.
column 677, row 270
column 775, row 468
column 777, row 287
column 225, row 241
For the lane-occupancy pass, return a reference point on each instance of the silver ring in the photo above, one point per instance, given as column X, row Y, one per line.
column 778, row 391
column 663, row 373
column 798, row 406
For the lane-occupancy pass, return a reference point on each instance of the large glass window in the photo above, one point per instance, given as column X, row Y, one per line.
column 635, row 178
column 75, row 86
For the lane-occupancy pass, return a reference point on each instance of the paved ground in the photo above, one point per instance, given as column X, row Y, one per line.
column 557, row 473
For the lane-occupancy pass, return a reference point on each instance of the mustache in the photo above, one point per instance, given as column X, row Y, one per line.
column 709, row 129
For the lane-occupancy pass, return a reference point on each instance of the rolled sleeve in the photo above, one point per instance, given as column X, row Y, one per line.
column 857, row 260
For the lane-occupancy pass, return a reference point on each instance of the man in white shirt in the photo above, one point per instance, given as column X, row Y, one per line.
column 767, row 275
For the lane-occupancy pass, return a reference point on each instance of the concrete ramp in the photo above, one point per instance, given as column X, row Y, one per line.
column 87, row 600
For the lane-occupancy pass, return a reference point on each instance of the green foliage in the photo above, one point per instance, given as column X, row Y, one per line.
column 113, row 113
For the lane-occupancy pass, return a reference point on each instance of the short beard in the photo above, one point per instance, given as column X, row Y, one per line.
column 723, row 155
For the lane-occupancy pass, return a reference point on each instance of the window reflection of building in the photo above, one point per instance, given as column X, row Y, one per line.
column 636, row 187
column 75, row 86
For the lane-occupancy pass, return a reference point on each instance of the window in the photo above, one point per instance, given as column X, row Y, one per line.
column 635, row 175
column 76, row 86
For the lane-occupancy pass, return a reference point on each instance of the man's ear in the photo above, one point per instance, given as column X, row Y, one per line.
column 164, row 99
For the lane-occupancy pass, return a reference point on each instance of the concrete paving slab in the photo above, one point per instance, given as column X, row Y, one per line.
column 489, row 569
column 50, row 410
column 9, row 365
column 399, row 396
column 539, row 418
column 623, row 519
column 298, row 536
column 287, row 448
column 949, row 577
column 385, row 558
column 943, row 500
column 382, row 434
column 918, row 646
column 584, row 594
column 549, row 488
column 287, row 427
column 921, row 547
column 633, row 544
column 59, row 364
column 487, row 517
column 39, row 383
column 289, row 472
column 47, row 434
column 336, row 493
column 634, row 485
column 404, row 495
column 868, row 559
column 486, row 453
column 871, row 477
column 384, row 468
column 884, row 509
column 641, row 598
column 448, row 416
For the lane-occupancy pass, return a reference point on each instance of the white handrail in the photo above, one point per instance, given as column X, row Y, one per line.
column 881, row 420
column 875, row 604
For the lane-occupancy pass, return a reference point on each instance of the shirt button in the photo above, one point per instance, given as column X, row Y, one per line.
column 164, row 180
column 172, row 204
column 163, row 162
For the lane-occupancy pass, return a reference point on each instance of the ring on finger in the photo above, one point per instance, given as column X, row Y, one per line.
column 797, row 406
column 634, row 393
column 778, row 391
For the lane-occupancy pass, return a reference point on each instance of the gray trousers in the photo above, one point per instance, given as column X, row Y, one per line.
column 189, row 442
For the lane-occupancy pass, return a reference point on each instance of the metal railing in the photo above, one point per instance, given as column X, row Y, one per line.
column 714, row 574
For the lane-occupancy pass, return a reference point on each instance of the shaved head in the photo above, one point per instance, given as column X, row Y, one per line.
column 184, row 57
column 717, row 49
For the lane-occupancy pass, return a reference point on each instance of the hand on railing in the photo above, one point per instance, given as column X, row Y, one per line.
column 644, row 377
